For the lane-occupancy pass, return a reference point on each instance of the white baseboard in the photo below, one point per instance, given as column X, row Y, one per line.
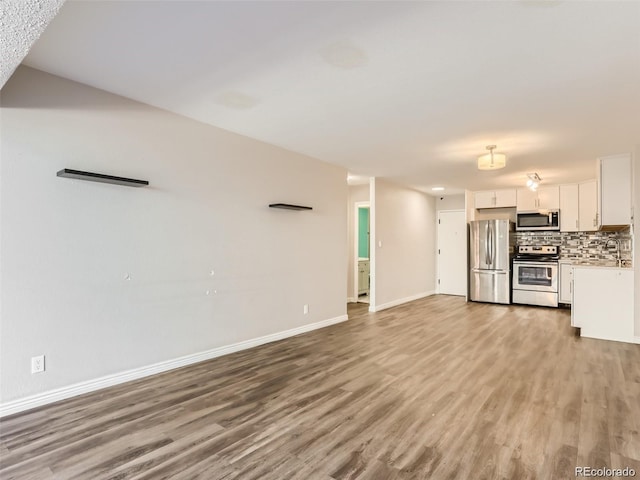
column 37, row 400
column 351, row 300
column 633, row 339
column 394, row 303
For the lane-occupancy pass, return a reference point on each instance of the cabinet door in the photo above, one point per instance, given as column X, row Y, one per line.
column 603, row 303
column 485, row 199
column 506, row 198
column 588, row 206
column 549, row 198
column 569, row 208
column 615, row 189
column 566, row 283
column 362, row 285
column 526, row 200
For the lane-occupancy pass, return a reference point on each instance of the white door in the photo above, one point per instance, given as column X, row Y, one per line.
column 452, row 253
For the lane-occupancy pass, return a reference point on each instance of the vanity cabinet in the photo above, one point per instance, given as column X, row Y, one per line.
column 363, row 277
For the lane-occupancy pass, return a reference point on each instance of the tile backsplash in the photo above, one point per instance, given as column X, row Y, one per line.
column 583, row 246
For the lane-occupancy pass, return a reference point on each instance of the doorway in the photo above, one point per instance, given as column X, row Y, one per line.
column 362, row 252
column 452, row 252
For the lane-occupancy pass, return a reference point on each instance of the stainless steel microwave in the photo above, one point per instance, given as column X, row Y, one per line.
column 538, row 220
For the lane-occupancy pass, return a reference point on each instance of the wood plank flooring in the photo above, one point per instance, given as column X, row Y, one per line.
column 437, row 388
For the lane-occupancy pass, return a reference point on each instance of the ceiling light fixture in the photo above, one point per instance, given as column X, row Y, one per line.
column 534, row 181
column 491, row 161
column 437, row 189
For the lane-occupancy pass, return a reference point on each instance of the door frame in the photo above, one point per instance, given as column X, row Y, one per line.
column 356, row 231
column 466, row 278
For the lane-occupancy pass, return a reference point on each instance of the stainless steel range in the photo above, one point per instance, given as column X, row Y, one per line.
column 535, row 275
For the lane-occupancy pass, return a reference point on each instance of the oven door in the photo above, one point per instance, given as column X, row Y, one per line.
column 536, row 276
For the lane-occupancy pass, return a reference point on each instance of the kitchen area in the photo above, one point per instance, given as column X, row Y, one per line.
column 559, row 246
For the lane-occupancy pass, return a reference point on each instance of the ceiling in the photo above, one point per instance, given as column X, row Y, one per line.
column 21, row 23
column 410, row 91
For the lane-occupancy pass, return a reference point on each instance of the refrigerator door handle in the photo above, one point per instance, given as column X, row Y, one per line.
column 490, row 272
column 491, row 245
column 486, row 244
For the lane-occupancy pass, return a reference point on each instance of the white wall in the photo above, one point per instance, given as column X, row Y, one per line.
column 66, row 245
column 405, row 221
column 357, row 193
column 450, row 202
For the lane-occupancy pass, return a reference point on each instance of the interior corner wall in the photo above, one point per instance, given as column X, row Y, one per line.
column 470, row 209
column 208, row 263
column 636, row 248
column 357, row 193
column 405, row 223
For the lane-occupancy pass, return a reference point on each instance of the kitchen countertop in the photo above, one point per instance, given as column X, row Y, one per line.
column 600, row 267
column 597, row 263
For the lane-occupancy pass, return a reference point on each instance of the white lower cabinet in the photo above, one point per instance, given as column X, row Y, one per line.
column 602, row 304
column 565, row 290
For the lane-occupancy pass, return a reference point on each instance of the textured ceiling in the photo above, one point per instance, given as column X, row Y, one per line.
column 412, row 91
column 21, row 23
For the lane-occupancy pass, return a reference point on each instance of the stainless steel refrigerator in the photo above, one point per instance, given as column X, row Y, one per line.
column 491, row 246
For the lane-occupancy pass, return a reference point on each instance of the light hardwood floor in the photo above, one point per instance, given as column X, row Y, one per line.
column 436, row 389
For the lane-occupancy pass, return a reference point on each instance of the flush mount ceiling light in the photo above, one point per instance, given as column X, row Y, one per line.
column 534, row 181
column 437, row 189
column 491, row 160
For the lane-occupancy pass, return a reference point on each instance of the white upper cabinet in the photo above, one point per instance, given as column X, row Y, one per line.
column 495, row 198
column 614, row 190
column 569, row 208
column 545, row 198
column 549, row 197
column 588, row 201
column 484, row 199
column 527, row 200
column 578, row 207
column 506, row 198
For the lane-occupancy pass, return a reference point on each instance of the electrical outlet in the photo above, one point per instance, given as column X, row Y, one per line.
column 37, row 364
column 305, row 309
